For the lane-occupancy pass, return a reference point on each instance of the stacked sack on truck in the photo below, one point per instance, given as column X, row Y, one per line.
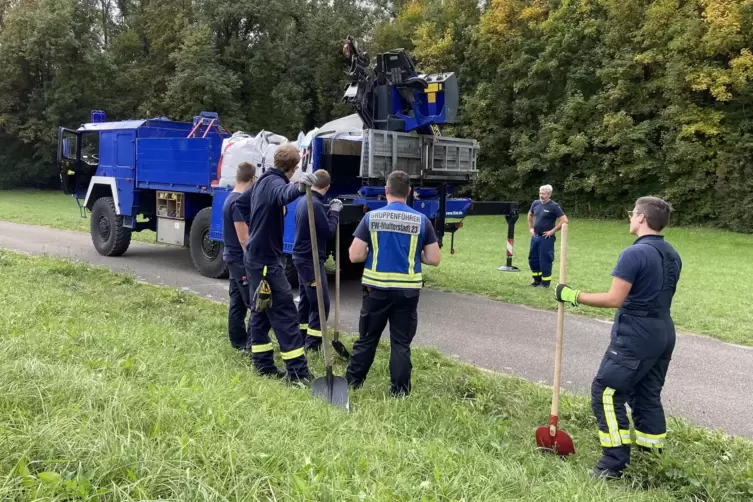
column 258, row 150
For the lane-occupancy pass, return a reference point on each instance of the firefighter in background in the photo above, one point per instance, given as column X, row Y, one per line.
column 272, row 304
column 545, row 218
column 234, row 237
column 393, row 241
column 635, row 364
column 325, row 226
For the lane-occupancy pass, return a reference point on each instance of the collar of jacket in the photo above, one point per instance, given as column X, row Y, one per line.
column 648, row 236
column 273, row 171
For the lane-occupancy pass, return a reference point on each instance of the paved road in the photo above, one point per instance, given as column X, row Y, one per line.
column 709, row 382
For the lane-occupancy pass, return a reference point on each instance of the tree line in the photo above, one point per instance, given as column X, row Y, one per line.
column 606, row 100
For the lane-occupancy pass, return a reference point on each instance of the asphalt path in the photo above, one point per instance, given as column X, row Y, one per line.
column 709, row 381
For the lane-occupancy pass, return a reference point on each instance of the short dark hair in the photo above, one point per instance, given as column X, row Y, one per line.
column 655, row 210
column 245, row 173
column 287, row 157
column 399, row 183
column 322, row 178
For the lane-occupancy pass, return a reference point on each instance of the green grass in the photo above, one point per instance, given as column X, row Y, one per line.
column 52, row 209
column 712, row 297
column 116, row 390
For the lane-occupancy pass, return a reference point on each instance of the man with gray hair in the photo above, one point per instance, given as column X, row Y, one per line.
column 545, row 218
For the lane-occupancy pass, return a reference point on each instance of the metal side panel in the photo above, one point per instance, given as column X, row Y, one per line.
column 452, row 156
column 387, row 151
column 177, row 163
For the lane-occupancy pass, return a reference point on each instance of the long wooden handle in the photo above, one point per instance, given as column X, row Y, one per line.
column 317, row 275
column 337, row 281
column 560, row 328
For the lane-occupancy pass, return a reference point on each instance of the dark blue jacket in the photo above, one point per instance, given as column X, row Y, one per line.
column 261, row 207
column 325, row 224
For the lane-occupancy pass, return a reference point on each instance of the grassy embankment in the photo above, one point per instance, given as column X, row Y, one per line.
column 712, row 297
column 116, row 390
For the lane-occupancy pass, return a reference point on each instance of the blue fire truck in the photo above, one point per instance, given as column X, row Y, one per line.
column 162, row 175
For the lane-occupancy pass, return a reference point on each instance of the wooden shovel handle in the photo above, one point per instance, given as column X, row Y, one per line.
column 317, row 275
column 337, row 281
column 560, row 330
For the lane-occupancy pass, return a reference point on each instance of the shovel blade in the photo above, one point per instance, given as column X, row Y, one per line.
column 333, row 389
column 340, row 349
column 561, row 443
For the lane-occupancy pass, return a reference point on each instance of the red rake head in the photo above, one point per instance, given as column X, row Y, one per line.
column 560, row 443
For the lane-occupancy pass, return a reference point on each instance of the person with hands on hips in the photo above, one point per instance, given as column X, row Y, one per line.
column 545, row 218
column 642, row 340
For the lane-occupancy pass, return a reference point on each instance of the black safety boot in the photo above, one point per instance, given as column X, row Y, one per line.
column 599, row 473
column 278, row 373
column 536, row 281
column 298, row 381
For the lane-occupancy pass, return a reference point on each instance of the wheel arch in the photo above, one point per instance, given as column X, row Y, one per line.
column 102, row 186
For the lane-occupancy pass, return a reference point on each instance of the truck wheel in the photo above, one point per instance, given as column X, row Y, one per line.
column 109, row 236
column 206, row 254
column 291, row 273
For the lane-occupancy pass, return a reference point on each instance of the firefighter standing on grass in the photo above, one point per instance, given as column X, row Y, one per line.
column 272, row 305
column 393, row 241
column 325, row 226
column 234, row 236
column 543, row 224
column 635, row 364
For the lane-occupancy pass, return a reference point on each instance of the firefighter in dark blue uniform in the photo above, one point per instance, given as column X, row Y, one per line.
column 326, row 225
column 543, row 224
column 635, row 364
column 234, row 236
column 262, row 209
column 393, row 241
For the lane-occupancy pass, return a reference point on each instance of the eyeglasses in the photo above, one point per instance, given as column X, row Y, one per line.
column 632, row 213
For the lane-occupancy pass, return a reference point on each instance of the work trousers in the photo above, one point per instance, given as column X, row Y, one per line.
column 282, row 317
column 541, row 257
column 623, row 378
column 400, row 308
column 308, row 305
column 239, row 305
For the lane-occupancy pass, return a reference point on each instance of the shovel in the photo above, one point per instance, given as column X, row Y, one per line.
column 551, row 439
column 332, row 388
column 336, row 343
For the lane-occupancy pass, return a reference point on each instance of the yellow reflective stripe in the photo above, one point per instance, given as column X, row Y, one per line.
column 292, row 354
column 264, row 272
column 375, row 248
column 548, row 278
column 412, row 254
column 625, row 436
column 303, row 326
column 266, row 347
column 315, row 332
column 605, row 439
column 536, row 274
column 650, row 440
column 392, row 276
column 610, row 416
column 389, row 284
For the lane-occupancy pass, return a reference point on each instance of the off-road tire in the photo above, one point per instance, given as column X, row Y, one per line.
column 109, row 236
column 206, row 254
